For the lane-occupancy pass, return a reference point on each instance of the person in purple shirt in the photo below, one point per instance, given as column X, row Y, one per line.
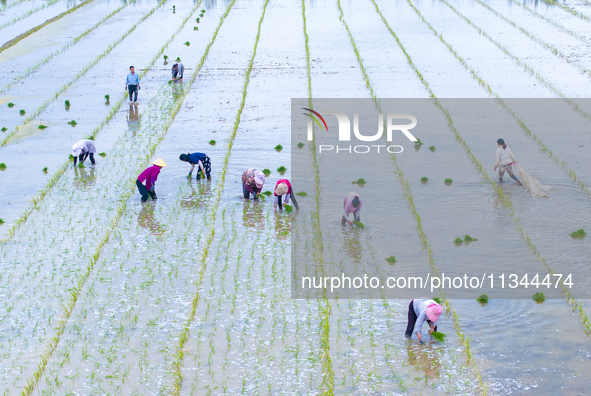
column 149, row 176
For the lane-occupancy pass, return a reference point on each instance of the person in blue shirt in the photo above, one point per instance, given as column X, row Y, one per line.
column 201, row 160
column 132, row 83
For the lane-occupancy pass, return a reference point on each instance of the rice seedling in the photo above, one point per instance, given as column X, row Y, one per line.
column 197, row 20
column 268, row 193
column 468, row 238
column 281, row 169
column 80, row 165
column 187, row 43
column 165, row 58
column 22, row 112
column 107, row 97
column 212, row 142
column 201, row 15
column 1, row 221
column 359, row 224
column 103, row 154
column 4, row 129
column 2, row 165
column 437, row 300
column 195, row 28
column 267, row 172
column 42, row 127
column 279, row 147
column 458, row 241
column 72, row 123
column 438, row 336
column 580, row 233
column 302, row 194
column 482, row 299
column 432, row 148
column 203, row 11
column 448, row 182
column 424, row 179
column 67, row 103
column 71, row 157
column 391, row 259
column 300, row 145
column 539, row 297
column 10, row 105
column 287, row 208
column 173, row 8
column 45, row 169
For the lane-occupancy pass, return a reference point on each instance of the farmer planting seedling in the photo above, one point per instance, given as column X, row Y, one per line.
column 202, row 161
column 505, row 160
column 82, row 150
column 149, row 177
column 253, row 181
column 283, row 189
column 352, row 204
column 420, row 311
column 177, row 70
column 132, row 84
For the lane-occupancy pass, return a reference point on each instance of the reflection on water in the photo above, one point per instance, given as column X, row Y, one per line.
column 252, row 214
column 84, row 178
column 133, row 119
column 282, row 226
column 198, row 196
column 351, row 243
column 425, row 357
column 147, row 221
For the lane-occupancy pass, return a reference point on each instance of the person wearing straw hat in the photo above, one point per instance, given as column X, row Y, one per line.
column 420, row 311
column 82, row 150
column 352, row 204
column 149, row 176
column 283, row 189
column 252, row 182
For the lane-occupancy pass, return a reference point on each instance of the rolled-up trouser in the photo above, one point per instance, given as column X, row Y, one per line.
column 144, row 191
column 132, row 90
column 247, row 193
column 82, row 157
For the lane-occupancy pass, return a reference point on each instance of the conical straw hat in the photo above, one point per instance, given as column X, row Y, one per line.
column 160, row 162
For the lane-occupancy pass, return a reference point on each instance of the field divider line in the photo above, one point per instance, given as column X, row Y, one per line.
column 37, row 66
column 31, row 12
column 82, row 279
column 530, row 70
column 36, row 200
column 178, row 356
column 575, row 305
column 324, row 305
column 407, row 192
column 569, row 10
column 81, row 73
column 26, row 34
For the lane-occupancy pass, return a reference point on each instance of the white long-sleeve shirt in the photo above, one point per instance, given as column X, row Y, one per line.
column 504, row 156
column 420, row 308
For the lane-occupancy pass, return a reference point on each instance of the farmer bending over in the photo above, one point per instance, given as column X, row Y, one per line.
column 82, row 150
column 352, row 204
column 420, row 311
column 178, row 69
column 132, row 83
column 505, row 160
column 149, row 176
column 283, row 189
column 201, row 160
column 252, row 182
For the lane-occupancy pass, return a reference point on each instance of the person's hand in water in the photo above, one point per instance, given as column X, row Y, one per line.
column 350, row 222
column 495, row 167
column 421, row 342
column 189, row 175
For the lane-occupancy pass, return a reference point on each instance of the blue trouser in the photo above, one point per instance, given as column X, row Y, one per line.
column 132, row 90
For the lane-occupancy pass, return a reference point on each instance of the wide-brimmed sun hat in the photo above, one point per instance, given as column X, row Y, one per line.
column 259, row 179
column 160, row 162
column 281, row 189
column 434, row 312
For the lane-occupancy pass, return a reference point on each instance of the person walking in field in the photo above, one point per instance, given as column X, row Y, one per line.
column 82, row 150
column 253, row 181
column 420, row 311
column 177, row 70
column 202, row 161
column 504, row 161
column 283, row 191
column 352, row 204
column 149, row 177
column 132, row 84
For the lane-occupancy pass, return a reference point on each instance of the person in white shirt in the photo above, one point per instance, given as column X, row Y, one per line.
column 505, row 160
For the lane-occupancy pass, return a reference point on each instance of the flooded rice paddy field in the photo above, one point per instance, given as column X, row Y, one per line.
column 191, row 293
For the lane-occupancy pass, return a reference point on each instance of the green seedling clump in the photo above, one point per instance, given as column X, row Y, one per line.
column 448, row 181
column 187, row 43
column 165, row 57
column 279, row 147
column 580, row 233
column 437, row 336
column 539, row 297
column 45, row 169
column 89, row 138
column 197, row 20
column 4, row 129
column 437, row 300
column 300, row 145
column 22, row 112
column 424, row 179
column 1, row 221
column 281, row 169
column 359, row 224
column 391, row 259
column 195, row 28
column 71, row 158
column 267, row 172
column 432, row 148
column 80, row 165
column 360, row 181
column 268, row 193
column 2, row 165
column 178, row 58
column 107, row 97
column 11, row 105
column 67, row 103
column 482, row 299
column 458, row 241
column 73, row 123
column 42, row 126
column 468, row 238
column 201, row 15
column 287, row 208
column 212, row 142
column 418, row 142
column 203, row 11
column 103, row 154
column 302, row 194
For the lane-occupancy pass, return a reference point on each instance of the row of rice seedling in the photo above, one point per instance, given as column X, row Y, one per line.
column 31, row 69
column 569, row 10
column 80, row 74
column 29, row 13
column 407, row 191
column 13, row 4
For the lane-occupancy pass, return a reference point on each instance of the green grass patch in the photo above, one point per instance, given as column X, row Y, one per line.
column 302, row 194
column 448, row 181
column 281, row 169
column 438, row 336
column 468, row 238
column 432, row 148
column 458, row 241
column 10, row 105
column 279, row 147
column 482, row 299
column 391, row 259
column 212, row 142
column 268, row 193
column 42, row 127
column 424, row 179
column 539, row 297
column 267, row 172
column 580, row 233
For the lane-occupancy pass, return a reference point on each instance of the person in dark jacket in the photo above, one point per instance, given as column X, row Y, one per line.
column 202, row 161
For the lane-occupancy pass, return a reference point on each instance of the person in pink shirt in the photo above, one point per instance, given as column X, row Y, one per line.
column 352, row 204
column 283, row 189
column 149, row 176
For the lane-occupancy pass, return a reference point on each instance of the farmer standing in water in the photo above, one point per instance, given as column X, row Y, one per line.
column 132, row 83
column 283, row 189
column 352, row 204
column 505, row 160
column 253, row 181
column 177, row 70
column 202, row 161
column 420, row 311
column 149, row 176
column 82, row 149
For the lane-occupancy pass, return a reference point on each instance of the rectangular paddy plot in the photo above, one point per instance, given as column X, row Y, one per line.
column 199, row 292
